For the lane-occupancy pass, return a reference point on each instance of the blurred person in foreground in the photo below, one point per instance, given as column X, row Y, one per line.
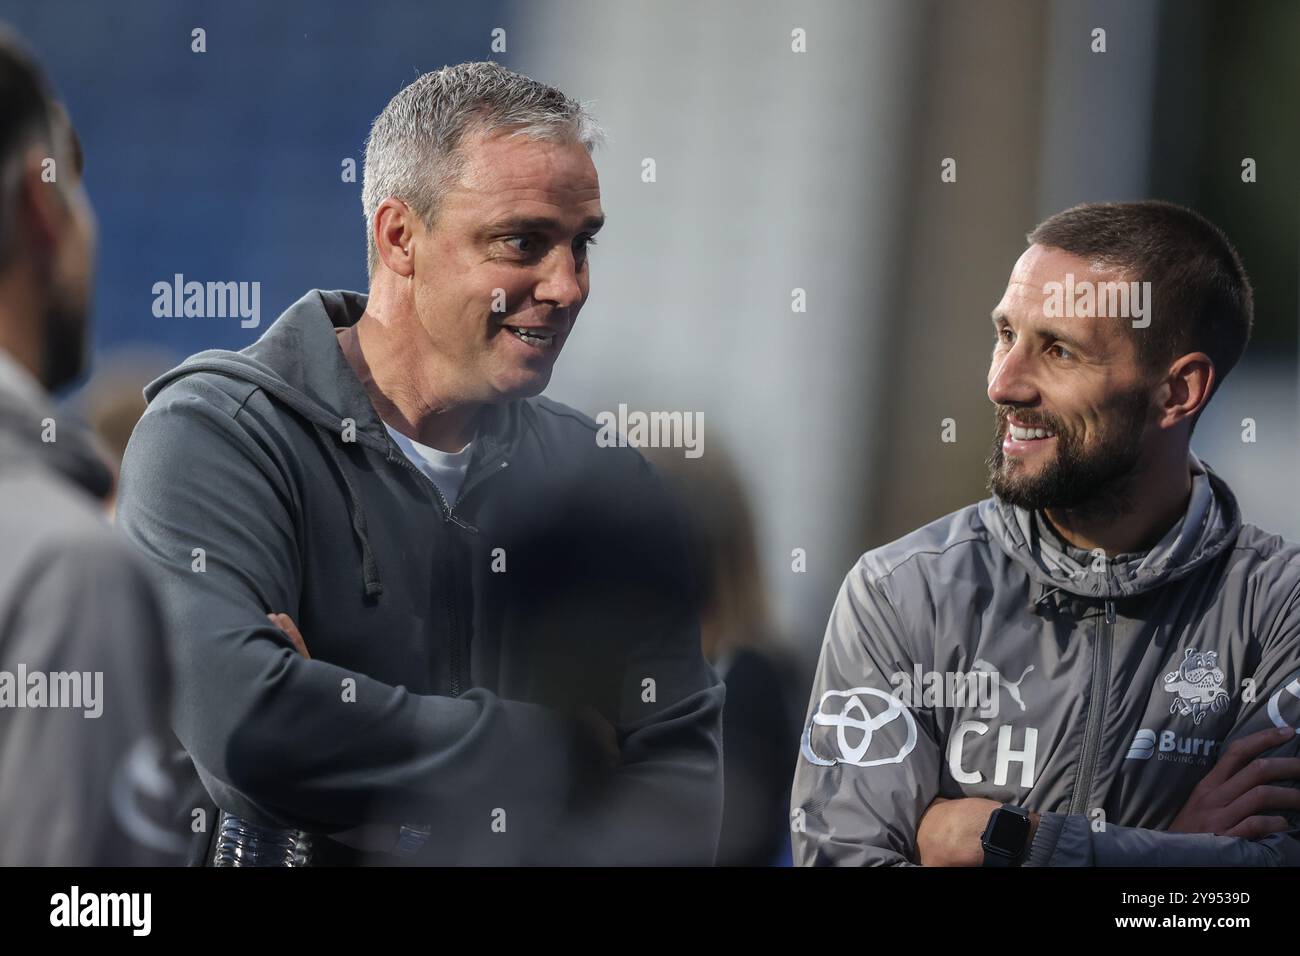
column 1100, row 664
column 336, row 516
column 765, row 690
column 84, row 727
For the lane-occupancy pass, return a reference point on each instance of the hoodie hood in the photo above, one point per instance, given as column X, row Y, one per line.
column 1208, row 527
column 74, row 453
column 297, row 360
column 299, row 363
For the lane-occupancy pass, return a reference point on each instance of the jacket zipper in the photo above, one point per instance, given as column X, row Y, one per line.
column 459, row 677
column 1101, row 654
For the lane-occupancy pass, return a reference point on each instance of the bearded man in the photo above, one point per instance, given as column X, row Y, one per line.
column 1138, row 645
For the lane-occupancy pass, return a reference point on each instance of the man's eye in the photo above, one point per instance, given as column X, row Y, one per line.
column 528, row 244
column 1060, row 351
column 1004, row 336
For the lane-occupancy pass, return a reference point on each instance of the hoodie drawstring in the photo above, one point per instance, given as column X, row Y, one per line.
column 374, row 586
column 1047, row 592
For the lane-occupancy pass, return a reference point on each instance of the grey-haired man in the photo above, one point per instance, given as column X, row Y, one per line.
column 503, row 655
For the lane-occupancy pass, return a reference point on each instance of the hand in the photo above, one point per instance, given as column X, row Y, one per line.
column 951, row 831
column 1230, row 799
column 285, row 623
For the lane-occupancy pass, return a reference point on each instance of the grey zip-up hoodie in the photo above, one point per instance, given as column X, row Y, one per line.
column 448, row 645
column 87, row 782
column 1095, row 691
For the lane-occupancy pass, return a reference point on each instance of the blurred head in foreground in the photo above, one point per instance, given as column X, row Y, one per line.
column 47, row 229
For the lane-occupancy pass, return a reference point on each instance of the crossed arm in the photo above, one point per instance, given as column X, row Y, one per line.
column 889, row 813
column 383, row 754
column 1237, row 799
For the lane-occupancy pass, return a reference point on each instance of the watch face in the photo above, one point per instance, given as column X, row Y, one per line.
column 1009, row 831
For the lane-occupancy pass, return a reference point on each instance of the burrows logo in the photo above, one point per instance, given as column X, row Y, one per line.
column 1170, row 746
column 1197, row 686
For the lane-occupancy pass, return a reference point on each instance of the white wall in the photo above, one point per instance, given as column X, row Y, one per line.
column 775, row 170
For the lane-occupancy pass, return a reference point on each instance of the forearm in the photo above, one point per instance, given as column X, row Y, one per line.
column 1063, row 840
column 290, row 740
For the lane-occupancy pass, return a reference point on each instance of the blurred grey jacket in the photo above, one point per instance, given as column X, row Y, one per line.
column 1095, row 691
column 85, row 783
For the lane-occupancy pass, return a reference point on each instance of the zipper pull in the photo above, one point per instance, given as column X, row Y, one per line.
column 1110, row 611
column 460, row 524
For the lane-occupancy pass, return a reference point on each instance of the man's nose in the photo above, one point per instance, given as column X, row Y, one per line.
column 560, row 282
column 1011, row 379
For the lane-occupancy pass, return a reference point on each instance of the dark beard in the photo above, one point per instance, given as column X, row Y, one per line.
column 1091, row 483
column 66, row 344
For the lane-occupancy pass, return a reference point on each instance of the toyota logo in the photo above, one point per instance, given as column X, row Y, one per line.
column 855, row 728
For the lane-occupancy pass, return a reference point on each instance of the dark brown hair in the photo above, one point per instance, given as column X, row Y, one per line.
column 26, row 115
column 1201, row 300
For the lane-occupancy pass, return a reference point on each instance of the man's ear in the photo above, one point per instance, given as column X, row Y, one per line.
column 1188, row 385
column 394, row 228
column 43, row 208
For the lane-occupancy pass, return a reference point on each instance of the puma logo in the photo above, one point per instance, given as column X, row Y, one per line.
column 1012, row 687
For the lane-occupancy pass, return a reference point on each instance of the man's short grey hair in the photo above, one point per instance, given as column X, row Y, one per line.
column 413, row 150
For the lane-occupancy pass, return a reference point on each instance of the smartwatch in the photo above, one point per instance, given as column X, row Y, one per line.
column 1006, row 838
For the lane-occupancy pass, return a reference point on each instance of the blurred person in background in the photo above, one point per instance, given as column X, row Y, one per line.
column 361, row 473
column 84, row 729
column 765, row 689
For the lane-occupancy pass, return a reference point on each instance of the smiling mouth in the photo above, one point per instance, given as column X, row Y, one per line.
column 1020, row 433
column 537, row 338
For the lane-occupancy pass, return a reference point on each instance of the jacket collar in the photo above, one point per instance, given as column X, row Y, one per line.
column 25, row 410
column 298, row 361
column 1208, row 527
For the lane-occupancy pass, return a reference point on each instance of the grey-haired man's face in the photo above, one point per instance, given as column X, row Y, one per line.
column 507, row 270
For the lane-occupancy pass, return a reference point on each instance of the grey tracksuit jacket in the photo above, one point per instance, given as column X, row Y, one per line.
column 450, row 646
column 982, row 656
column 94, row 783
